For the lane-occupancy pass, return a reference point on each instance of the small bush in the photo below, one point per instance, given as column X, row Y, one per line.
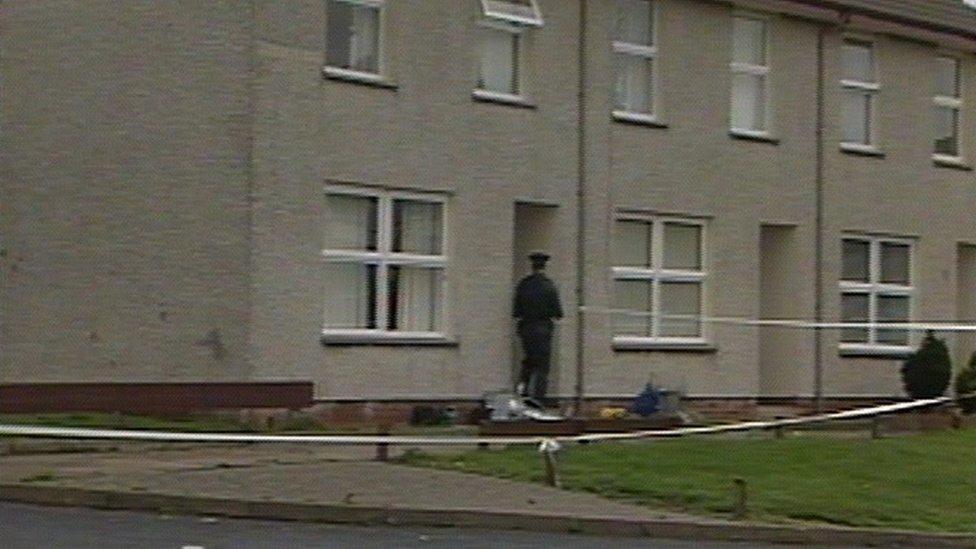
column 928, row 371
column 966, row 384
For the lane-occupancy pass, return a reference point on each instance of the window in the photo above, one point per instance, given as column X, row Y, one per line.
column 523, row 12
column 860, row 90
column 658, row 280
column 750, row 71
column 501, row 42
column 384, row 264
column 501, row 49
column 948, row 107
column 353, row 37
column 634, row 56
column 876, row 288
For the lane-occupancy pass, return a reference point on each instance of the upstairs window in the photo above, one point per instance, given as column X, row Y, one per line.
column 948, row 108
column 750, row 72
column 501, row 57
column 635, row 57
column 860, row 92
column 384, row 264
column 876, row 288
column 353, row 36
column 521, row 12
column 501, row 43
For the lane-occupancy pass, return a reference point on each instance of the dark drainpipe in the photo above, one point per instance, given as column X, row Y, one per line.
column 580, row 206
column 819, row 227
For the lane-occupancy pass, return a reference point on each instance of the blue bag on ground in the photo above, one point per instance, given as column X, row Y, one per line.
column 647, row 402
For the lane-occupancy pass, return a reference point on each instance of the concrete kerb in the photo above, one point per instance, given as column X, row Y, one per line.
column 704, row 530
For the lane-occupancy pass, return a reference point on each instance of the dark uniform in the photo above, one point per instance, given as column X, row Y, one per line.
column 536, row 304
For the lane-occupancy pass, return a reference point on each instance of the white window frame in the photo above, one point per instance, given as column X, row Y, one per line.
column 649, row 54
column 384, row 257
column 364, row 76
column 956, row 103
column 657, row 274
column 755, row 70
column 517, row 34
column 513, row 12
column 871, row 87
column 874, row 288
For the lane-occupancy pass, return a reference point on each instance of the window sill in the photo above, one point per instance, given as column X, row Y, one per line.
column 951, row 163
column 356, row 77
column 884, row 353
column 638, row 119
column 691, row 348
column 499, row 98
column 857, row 149
column 759, row 137
column 340, row 340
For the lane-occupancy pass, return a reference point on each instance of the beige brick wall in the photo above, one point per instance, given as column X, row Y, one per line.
column 124, row 190
column 163, row 168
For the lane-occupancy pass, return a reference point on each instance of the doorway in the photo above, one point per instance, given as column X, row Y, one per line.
column 779, row 361
column 535, row 231
column 965, row 302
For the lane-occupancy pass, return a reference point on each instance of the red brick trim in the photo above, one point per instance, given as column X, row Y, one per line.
column 152, row 397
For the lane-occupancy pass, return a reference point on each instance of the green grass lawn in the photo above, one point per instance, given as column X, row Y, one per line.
column 918, row 482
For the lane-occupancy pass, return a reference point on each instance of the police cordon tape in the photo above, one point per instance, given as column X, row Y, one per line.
column 545, row 443
column 940, row 326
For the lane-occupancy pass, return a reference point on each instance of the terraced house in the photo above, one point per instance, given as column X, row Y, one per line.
column 344, row 191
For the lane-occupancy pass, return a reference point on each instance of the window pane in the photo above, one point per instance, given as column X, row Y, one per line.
column 415, row 299
column 635, row 22
column 895, row 263
column 632, row 244
column 417, row 227
column 681, row 299
column 637, row 296
column 856, row 261
column 858, row 61
column 947, row 77
column 350, row 295
column 499, row 51
column 682, row 246
column 854, row 308
column 748, row 102
column 947, row 131
column 350, row 222
column 634, row 83
column 893, row 309
column 353, row 36
column 748, row 41
column 857, row 117
column 339, row 33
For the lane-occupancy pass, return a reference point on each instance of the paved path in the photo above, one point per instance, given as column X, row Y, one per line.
column 26, row 526
column 305, row 474
column 340, row 485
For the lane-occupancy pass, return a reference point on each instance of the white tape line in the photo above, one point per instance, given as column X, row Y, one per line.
column 359, row 440
column 790, row 323
column 170, row 436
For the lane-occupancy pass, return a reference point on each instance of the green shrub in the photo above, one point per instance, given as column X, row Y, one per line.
column 928, row 371
column 966, row 384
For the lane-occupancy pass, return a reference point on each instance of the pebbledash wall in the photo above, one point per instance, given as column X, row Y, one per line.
column 164, row 170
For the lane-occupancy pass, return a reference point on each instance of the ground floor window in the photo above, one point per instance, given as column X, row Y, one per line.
column 384, row 263
column 658, row 280
column 876, row 288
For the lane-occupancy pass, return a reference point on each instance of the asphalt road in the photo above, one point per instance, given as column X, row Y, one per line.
column 28, row 526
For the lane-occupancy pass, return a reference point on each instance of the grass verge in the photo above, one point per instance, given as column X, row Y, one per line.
column 921, row 482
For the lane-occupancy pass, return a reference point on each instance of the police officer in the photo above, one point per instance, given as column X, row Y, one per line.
column 536, row 305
